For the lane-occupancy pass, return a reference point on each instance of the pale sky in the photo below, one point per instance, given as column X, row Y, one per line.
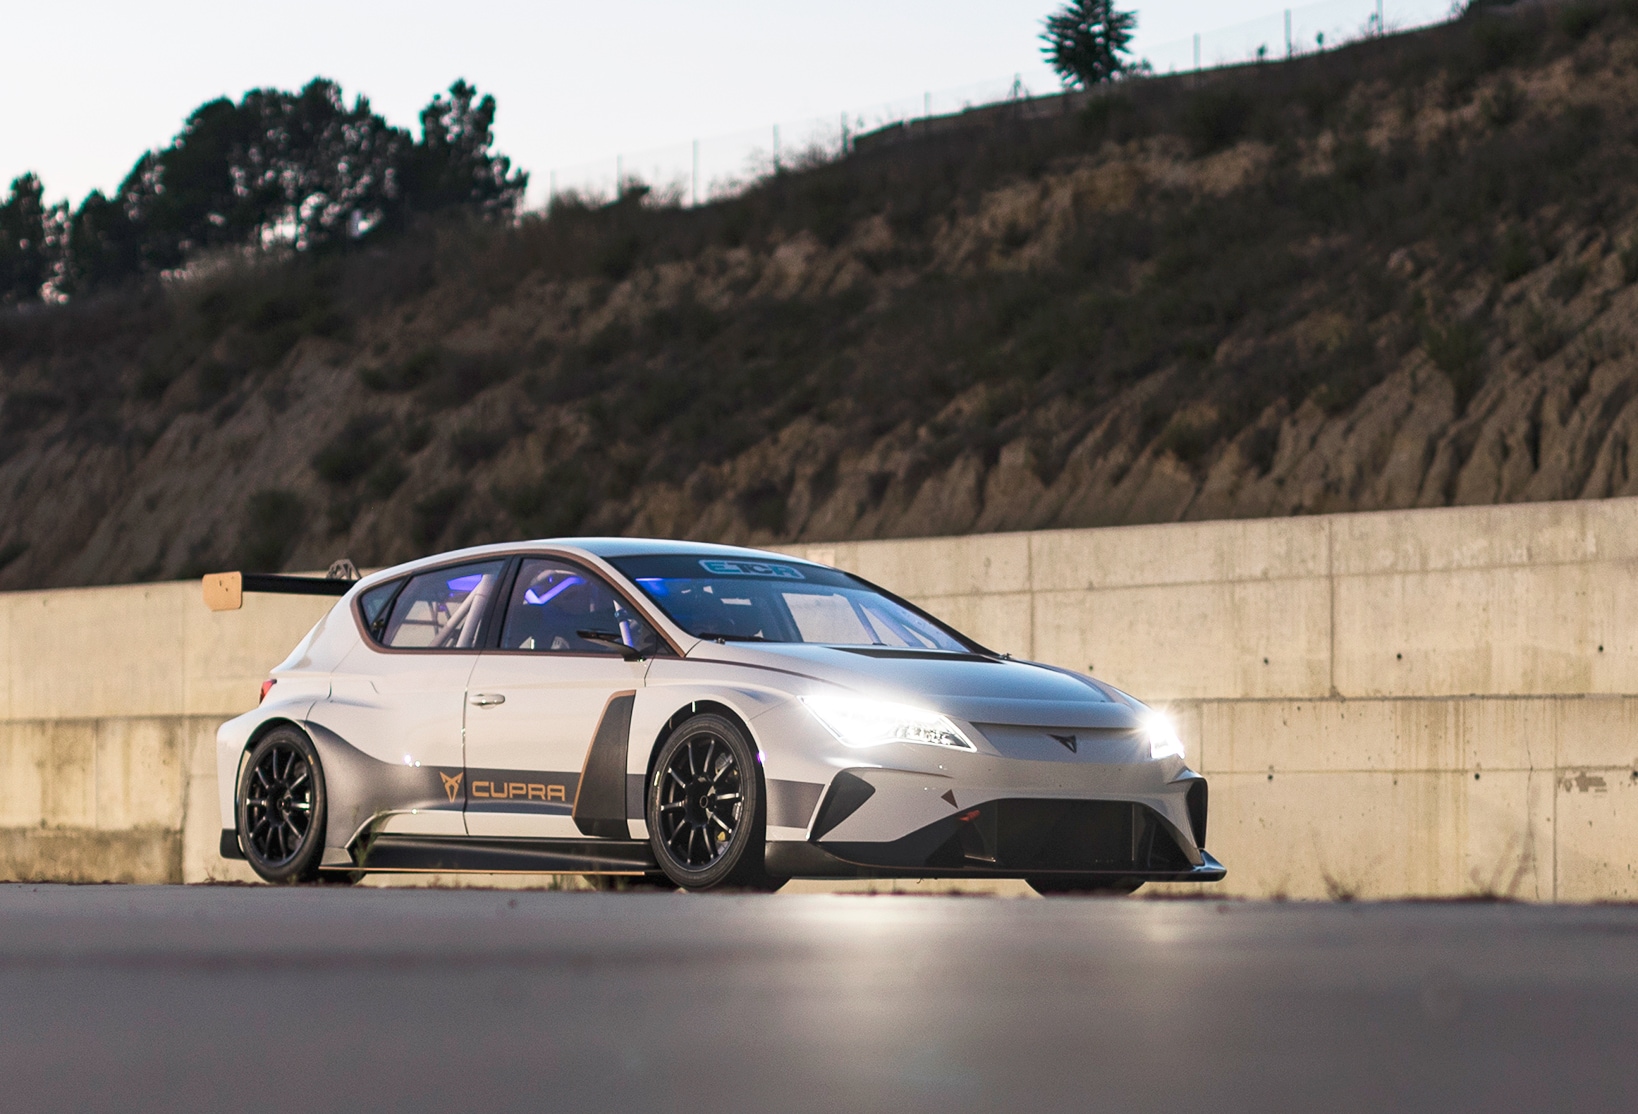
column 93, row 83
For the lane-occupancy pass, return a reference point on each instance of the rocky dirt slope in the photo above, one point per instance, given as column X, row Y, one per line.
column 1405, row 274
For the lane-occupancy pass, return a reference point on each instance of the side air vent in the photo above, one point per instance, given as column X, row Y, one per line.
column 1196, row 801
column 847, row 793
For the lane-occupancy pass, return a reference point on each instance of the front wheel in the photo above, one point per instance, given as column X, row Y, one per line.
column 1054, row 885
column 706, row 814
column 281, row 807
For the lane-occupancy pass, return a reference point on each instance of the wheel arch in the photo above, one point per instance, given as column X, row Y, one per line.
column 261, row 731
column 687, row 712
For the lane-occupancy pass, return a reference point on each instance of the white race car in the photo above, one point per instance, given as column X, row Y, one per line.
column 691, row 715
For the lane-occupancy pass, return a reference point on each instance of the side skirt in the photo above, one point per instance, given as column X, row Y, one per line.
column 458, row 854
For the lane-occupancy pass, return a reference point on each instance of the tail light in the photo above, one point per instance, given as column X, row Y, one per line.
column 267, row 687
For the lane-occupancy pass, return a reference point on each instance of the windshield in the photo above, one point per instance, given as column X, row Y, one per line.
column 758, row 601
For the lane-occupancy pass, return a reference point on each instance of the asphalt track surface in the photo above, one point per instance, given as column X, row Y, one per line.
column 316, row 999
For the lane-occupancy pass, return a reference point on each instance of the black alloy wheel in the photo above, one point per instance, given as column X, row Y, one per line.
column 1070, row 885
column 281, row 807
column 706, row 816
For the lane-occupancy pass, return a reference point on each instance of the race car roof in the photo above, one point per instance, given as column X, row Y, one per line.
column 631, row 547
column 598, row 547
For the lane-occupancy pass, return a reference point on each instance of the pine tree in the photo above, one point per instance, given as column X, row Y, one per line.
column 1087, row 40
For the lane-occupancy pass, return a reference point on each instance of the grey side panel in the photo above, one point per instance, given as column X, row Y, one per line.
column 791, row 803
column 542, row 856
column 600, row 802
column 636, row 794
column 360, row 788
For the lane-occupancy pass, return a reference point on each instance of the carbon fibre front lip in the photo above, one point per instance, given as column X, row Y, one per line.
column 794, row 859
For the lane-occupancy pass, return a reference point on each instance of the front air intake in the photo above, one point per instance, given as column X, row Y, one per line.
column 1196, row 801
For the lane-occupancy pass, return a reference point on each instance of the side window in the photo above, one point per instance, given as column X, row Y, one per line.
column 372, row 605
column 556, row 607
column 443, row 610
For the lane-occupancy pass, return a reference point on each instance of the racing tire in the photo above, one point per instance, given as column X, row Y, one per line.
column 706, row 811
column 1060, row 885
column 280, row 809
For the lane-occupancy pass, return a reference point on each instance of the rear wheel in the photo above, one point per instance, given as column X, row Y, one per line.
column 707, row 820
column 281, row 808
column 1054, row 885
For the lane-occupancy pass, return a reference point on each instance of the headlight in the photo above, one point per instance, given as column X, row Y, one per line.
column 859, row 722
column 1163, row 740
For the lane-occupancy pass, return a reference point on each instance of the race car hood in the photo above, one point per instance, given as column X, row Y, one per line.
column 967, row 686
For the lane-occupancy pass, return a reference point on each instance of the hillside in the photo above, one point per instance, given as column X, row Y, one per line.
column 1400, row 274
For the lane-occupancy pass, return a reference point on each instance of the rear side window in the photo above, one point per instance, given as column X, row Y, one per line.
column 443, row 610
column 372, row 605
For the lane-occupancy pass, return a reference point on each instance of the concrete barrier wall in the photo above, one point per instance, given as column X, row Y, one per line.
column 1431, row 702
column 109, row 706
column 1435, row 702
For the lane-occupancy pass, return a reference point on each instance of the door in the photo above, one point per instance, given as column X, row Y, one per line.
column 562, row 676
column 401, row 700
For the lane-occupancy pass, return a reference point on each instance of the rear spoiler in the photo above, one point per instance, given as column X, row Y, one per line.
column 225, row 591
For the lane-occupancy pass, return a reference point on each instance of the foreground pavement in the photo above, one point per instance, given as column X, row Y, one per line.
column 316, row 999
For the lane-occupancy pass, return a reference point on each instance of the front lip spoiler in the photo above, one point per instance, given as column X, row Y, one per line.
column 794, row 859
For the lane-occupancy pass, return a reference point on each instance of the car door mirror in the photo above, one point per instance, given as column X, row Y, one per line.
column 612, row 640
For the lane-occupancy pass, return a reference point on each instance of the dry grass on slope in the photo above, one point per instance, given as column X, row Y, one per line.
column 1399, row 274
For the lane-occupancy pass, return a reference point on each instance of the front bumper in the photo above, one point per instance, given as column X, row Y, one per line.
column 1010, row 837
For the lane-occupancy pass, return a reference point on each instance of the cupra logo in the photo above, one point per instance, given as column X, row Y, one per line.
column 452, row 785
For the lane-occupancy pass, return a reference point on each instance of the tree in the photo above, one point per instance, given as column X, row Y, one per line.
column 25, row 257
column 104, row 246
column 304, row 170
column 453, row 163
column 1087, row 40
column 300, row 168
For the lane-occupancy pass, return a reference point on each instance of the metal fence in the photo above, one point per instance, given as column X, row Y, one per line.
column 701, row 170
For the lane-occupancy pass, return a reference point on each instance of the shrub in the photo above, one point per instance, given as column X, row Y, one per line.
column 1503, row 104
column 1544, row 331
column 433, row 513
column 386, row 477
column 1189, row 437
column 1515, row 256
column 474, row 444
column 273, row 520
column 1578, row 20
column 1629, row 261
column 404, row 376
column 1215, row 118
column 553, row 505
column 11, row 551
column 1457, row 349
column 352, row 452
column 1569, row 280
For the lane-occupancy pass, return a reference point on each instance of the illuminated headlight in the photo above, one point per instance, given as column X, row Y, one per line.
column 859, row 722
column 1163, row 740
